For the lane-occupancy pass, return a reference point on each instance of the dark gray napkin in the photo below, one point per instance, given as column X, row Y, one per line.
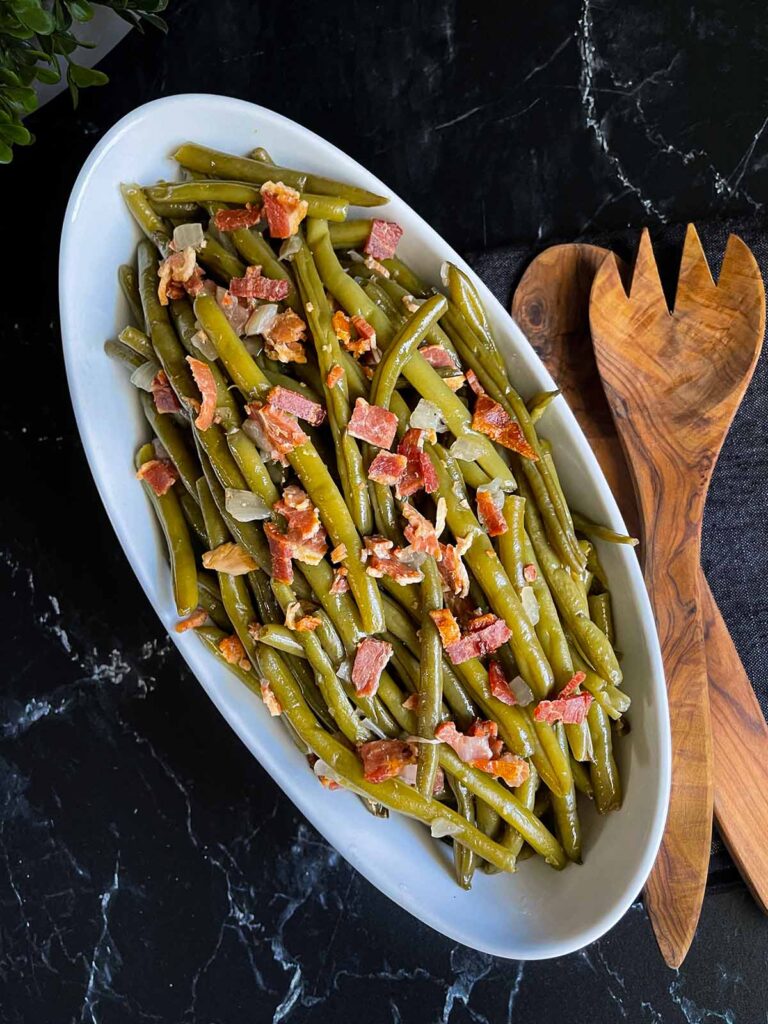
column 734, row 549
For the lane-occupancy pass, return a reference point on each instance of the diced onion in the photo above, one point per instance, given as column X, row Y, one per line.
column 530, row 604
column 245, row 506
column 289, row 248
column 355, row 256
column 324, row 771
column 413, row 559
column 202, row 342
column 188, row 236
column 468, row 448
column 261, row 319
column 522, row 691
column 423, row 739
column 444, row 267
column 427, row 416
column 369, row 725
column 344, row 671
column 441, row 827
column 161, row 452
column 143, row 375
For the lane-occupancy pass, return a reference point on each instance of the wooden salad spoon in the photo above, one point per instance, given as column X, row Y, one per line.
column 551, row 304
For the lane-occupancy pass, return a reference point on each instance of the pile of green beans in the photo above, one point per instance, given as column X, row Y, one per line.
column 547, row 559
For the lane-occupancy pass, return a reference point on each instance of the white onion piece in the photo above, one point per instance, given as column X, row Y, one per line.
column 232, row 310
column 355, row 256
column 444, row 267
column 143, row 375
column 369, row 725
column 344, row 671
column 522, row 691
column 422, row 739
column 261, row 319
column 441, row 513
column 441, row 827
column 323, row 770
column 245, row 506
column 289, row 248
column 413, row 559
column 468, row 448
column 202, row 342
column 187, row 236
column 161, row 452
column 530, row 604
column 427, row 416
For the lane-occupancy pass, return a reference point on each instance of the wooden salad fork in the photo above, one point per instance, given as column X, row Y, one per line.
column 674, row 381
column 551, row 304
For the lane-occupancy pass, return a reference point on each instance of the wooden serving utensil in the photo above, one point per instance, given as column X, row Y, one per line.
column 674, row 382
column 551, row 304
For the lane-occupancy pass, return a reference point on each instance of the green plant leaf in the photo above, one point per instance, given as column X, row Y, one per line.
column 6, row 153
column 15, row 133
column 34, row 16
column 48, row 76
column 80, row 10
column 83, row 77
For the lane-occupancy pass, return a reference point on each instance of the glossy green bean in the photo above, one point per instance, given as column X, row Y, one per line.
column 539, row 403
column 599, row 532
column 154, row 227
column 193, row 516
column 406, row 277
column 126, row 276
column 123, row 354
column 601, row 613
column 174, row 210
column 567, row 824
column 402, row 347
column 326, row 206
column 602, row 770
column 581, row 779
column 464, row 860
column 218, row 261
column 173, row 440
column 350, row 235
column 138, row 341
column 512, row 543
column 430, row 687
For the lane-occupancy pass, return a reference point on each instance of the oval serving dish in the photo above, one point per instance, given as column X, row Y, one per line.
column 536, row 913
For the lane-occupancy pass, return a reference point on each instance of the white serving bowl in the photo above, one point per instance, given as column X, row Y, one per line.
column 536, row 913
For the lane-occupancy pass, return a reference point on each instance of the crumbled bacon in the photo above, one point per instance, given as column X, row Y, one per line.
column 478, row 622
column 438, row 356
column 573, row 684
column 195, row 283
column 373, row 424
column 385, row 759
column 334, row 375
column 420, row 533
column 490, row 515
column 419, row 470
column 175, row 270
column 193, row 621
column 279, row 432
column 207, row 385
column 411, row 703
column 297, row 619
column 387, row 468
column 242, row 217
column 339, row 553
column 447, row 626
column 159, row 474
column 493, row 421
column 313, row 549
column 474, row 383
column 509, row 767
column 229, row 558
column 485, row 727
column 570, row 710
column 498, row 685
column 296, row 403
column 371, row 658
column 255, row 286
column 234, row 652
column 163, row 394
column 482, row 641
column 469, row 748
column 284, row 338
column 382, row 560
column 273, row 705
column 340, row 583
column 382, row 241
column 280, row 550
column 365, row 340
column 341, row 326
column 284, row 209
column 305, row 534
column 530, row 573
column 452, row 569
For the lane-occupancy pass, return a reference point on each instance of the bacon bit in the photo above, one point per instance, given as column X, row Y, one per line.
column 411, row 703
column 570, row 710
column 478, row 622
column 335, row 374
column 530, row 573
column 341, row 327
column 297, row 620
column 232, row 220
column 160, row 474
column 573, row 684
column 484, row 727
column 273, row 705
column 296, row 403
column 339, row 553
column 498, row 685
column 382, row 560
column 509, row 767
column 284, row 209
column 281, row 551
column 301, row 515
column 313, row 549
column 279, row 432
column 340, row 583
column 207, row 385
column 382, row 241
column 469, row 748
column 365, row 340
column 163, row 394
column 474, row 383
column 234, row 652
column 373, row 264
column 373, row 424
column 371, row 658
column 452, row 569
column 455, row 382
column 490, row 515
column 229, row 558
column 174, row 271
column 476, row 644
column 296, row 498
column 195, row 283
column 419, row 469
column 193, row 621
column 384, row 759
column 255, row 286
column 387, row 468
column 284, row 338
column 493, row 421
column 420, row 533
column 438, row 356
column 447, row 626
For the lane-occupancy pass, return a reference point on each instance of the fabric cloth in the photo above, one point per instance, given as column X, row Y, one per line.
column 734, row 549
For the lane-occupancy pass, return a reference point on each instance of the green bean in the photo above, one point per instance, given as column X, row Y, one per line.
column 154, row 227
column 511, row 543
column 193, row 515
column 510, row 837
column 281, row 638
column 208, row 598
column 247, row 457
column 407, row 278
column 539, row 403
column 126, row 277
column 601, row 614
column 599, row 532
column 260, row 154
column 173, row 440
column 567, row 825
column 581, row 779
column 122, row 354
column 138, row 341
column 464, row 860
column 602, row 770
column 351, row 234
column 174, row 210
column 402, row 348
column 325, row 206
column 219, row 261
column 430, row 678
column 266, row 603
column 328, row 637
column 174, row 527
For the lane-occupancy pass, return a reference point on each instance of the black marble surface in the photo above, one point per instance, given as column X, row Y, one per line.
column 149, row 869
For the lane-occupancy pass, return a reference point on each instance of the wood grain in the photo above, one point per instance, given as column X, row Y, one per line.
column 551, row 304
column 674, row 381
